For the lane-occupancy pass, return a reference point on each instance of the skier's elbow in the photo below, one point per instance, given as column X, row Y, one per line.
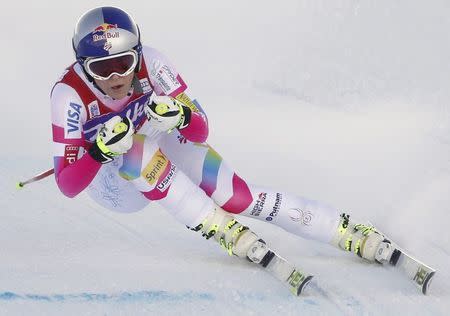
column 67, row 185
column 68, row 192
column 197, row 131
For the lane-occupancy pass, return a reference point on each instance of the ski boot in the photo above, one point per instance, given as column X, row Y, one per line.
column 363, row 240
column 240, row 241
column 368, row 243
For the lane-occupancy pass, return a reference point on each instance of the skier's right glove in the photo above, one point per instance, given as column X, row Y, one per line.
column 114, row 138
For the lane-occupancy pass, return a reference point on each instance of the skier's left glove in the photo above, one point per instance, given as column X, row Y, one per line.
column 166, row 113
column 114, row 138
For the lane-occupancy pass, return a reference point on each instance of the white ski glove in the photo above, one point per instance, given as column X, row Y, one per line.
column 165, row 113
column 114, row 138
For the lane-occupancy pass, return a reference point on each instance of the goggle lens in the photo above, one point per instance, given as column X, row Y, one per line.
column 104, row 68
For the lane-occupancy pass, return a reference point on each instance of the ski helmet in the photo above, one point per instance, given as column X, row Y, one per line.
column 105, row 31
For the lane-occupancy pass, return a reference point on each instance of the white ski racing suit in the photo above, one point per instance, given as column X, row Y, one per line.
column 179, row 170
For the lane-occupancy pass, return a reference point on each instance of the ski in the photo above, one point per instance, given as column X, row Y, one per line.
column 418, row 272
column 293, row 278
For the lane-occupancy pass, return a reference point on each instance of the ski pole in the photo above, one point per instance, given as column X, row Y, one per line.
column 37, row 177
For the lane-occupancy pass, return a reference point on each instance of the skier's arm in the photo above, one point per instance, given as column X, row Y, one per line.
column 167, row 81
column 74, row 169
column 166, row 113
column 197, row 130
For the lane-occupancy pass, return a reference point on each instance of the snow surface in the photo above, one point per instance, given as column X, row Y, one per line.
column 346, row 102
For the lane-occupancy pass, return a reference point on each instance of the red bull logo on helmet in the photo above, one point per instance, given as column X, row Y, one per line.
column 105, row 31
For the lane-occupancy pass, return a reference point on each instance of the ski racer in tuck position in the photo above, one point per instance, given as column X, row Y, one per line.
column 127, row 130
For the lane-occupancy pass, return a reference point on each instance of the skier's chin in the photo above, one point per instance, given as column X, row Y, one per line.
column 118, row 92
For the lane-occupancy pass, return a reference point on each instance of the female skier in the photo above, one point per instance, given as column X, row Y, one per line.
column 128, row 131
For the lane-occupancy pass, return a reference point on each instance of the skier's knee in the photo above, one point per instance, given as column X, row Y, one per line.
column 241, row 198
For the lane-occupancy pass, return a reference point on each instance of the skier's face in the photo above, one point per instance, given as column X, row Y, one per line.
column 116, row 87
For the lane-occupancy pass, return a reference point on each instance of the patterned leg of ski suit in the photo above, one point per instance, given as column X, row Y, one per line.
column 198, row 172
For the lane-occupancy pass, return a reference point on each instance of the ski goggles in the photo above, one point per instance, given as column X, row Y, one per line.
column 102, row 68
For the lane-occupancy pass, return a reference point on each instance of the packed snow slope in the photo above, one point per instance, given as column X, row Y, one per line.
column 346, row 102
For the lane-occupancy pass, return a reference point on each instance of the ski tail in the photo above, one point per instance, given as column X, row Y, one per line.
column 298, row 281
column 427, row 282
column 293, row 278
column 416, row 271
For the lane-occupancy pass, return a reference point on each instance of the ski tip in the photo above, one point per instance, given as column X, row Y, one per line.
column 427, row 282
column 304, row 283
column 19, row 185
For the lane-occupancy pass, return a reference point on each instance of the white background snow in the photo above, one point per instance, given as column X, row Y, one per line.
column 346, row 102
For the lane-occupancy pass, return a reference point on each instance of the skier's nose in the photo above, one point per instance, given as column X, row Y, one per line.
column 114, row 77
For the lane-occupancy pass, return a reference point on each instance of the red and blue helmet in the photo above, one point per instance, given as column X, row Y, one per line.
column 103, row 32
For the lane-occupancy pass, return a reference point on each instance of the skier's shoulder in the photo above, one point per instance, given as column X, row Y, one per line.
column 154, row 55
column 156, row 61
column 163, row 74
column 65, row 97
column 69, row 82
